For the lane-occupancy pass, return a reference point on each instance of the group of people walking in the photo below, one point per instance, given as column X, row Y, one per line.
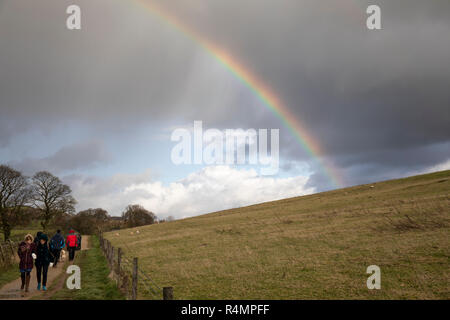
column 42, row 254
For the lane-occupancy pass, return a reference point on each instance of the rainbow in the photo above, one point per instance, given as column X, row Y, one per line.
column 265, row 95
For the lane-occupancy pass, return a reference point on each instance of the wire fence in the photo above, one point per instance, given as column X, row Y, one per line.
column 8, row 253
column 130, row 278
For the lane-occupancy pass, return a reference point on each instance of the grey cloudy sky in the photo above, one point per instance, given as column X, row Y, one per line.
column 378, row 102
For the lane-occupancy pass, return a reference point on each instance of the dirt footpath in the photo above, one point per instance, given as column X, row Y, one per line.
column 84, row 242
column 11, row 291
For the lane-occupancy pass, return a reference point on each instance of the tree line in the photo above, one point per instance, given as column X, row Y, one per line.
column 43, row 197
column 97, row 220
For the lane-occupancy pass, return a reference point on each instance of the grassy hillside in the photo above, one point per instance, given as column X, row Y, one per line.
column 310, row 247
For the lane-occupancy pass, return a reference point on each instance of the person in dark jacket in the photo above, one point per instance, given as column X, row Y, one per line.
column 36, row 239
column 43, row 260
column 57, row 243
column 26, row 250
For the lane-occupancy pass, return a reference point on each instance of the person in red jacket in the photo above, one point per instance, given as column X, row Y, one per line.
column 71, row 242
column 26, row 252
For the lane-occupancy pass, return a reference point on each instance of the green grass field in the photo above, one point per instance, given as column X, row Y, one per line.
column 18, row 233
column 9, row 273
column 311, row 247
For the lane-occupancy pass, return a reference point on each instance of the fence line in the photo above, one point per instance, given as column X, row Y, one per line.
column 8, row 252
column 128, row 275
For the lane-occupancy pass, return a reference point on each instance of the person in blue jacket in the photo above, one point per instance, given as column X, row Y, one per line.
column 57, row 243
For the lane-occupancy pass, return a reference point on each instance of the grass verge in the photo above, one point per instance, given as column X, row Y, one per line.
column 8, row 274
column 95, row 283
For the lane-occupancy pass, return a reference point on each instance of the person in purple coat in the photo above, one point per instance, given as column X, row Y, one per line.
column 26, row 250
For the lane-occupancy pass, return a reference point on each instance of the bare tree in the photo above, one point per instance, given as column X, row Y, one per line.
column 51, row 197
column 14, row 194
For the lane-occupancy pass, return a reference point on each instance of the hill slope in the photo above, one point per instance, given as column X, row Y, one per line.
column 311, row 247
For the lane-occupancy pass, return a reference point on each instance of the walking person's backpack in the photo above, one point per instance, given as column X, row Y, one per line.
column 54, row 244
column 78, row 242
column 72, row 239
column 57, row 242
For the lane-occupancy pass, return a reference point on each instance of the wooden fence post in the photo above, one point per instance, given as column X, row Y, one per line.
column 112, row 258
column 134, row 284
column 110, row 253
column 108, row 249
column 168, row 293
column 2, row 254
column 119, row 260
column 11, row 246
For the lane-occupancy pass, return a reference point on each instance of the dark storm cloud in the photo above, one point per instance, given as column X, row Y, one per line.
column 78, row 156
column 378, row 165
column 341, row 78
column 372, row 99
column 377, row 101
column 124, row 66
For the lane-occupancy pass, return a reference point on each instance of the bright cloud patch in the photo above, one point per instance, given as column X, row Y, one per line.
column 210, row 189
column 439, row 167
